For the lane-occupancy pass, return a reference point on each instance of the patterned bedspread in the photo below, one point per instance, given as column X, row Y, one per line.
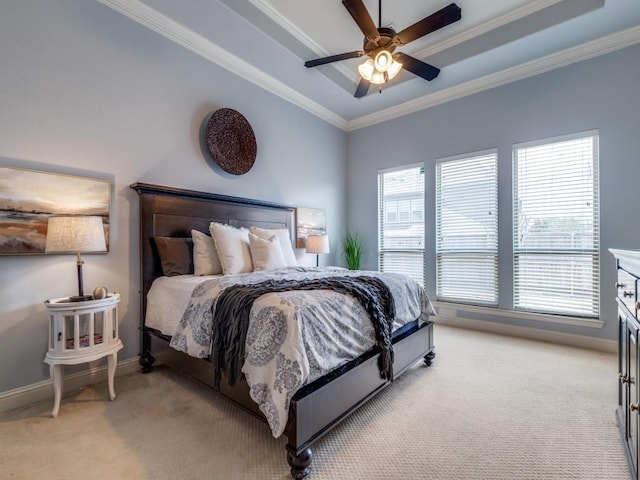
column 295, row 337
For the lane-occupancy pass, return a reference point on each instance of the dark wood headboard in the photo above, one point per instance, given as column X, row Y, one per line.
column 173, row 212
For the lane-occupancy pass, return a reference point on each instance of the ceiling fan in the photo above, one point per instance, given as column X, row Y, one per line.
column 380, row 43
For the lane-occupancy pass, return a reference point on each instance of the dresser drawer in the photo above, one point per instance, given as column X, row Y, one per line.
column 627, row 286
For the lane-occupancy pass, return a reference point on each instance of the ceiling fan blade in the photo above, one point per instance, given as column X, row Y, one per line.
column 360, row 14
column 363, row 88
column 333, row 58
column 443, row 17
column 418, row 67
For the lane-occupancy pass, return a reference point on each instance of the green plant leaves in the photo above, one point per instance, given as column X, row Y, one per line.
column 352, row 251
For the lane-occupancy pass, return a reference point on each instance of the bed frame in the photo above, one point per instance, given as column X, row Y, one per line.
column 317, row 407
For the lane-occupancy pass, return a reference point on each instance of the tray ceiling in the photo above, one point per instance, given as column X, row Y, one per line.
column 495, row 42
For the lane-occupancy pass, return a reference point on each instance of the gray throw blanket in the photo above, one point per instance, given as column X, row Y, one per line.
column 231, row 317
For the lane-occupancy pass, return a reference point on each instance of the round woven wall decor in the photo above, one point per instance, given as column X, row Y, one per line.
column 231, row 141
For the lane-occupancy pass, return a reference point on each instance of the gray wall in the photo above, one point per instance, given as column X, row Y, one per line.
column 85, row 91
column 601, row 93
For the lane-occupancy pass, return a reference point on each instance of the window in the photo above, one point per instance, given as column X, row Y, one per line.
column 404, row 209
column 467, row 228
column 556, row 225
column 392, row 212
column 401, row 221
column 417, row 210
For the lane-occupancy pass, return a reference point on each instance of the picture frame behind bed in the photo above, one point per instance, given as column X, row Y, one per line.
column 319, row 406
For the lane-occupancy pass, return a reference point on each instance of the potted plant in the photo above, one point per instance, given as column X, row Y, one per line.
column 352, row 251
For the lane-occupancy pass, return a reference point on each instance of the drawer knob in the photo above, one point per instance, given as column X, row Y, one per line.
column 634, row 407
column 619, row 284
column 623, row 378
column 627, row 293
column 638, row 305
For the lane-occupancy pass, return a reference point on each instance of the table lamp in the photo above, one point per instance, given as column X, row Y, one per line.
column 318, row 244
column 75, row 234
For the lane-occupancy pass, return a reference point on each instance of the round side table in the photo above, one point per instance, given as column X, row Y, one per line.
column 81, row 332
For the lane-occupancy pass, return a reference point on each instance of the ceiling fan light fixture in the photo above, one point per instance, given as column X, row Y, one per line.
column 366, row 69
column 383, row 60
column 394, row 68
column 370, row 72
column 378, row 78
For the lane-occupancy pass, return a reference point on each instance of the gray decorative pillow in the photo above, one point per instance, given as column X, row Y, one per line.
column 176, row 255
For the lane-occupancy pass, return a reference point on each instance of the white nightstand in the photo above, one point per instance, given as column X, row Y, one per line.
column 81, row 332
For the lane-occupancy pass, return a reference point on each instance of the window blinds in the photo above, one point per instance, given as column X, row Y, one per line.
column 401, row 221
column 467, row 229
column 556, row 226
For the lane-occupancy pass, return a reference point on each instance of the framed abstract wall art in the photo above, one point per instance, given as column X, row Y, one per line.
column 28, row 198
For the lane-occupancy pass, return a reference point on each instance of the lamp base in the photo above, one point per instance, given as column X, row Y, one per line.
column 80, row 298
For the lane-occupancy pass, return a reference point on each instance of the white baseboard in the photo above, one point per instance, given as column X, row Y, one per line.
column 451, row 310
column 573, row 340
column 19, row 397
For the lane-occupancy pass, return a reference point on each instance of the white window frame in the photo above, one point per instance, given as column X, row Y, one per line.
column 467, row 273
column 579, row 258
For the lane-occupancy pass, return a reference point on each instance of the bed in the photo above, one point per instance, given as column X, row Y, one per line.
column 317, row 406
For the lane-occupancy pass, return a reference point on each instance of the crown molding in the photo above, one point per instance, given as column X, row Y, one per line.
column 485, row 27
column 302, row 37
column 178, row 33
column 594, row 48
column 174, row 31
column 284, row 23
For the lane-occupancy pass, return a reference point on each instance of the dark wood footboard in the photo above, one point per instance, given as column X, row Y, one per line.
column 324, row 403
column 318, row 407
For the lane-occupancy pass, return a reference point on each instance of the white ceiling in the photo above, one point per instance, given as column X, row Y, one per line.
column 495, row 42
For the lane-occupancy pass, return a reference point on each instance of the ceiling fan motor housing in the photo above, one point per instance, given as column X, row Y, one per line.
column 387, row 40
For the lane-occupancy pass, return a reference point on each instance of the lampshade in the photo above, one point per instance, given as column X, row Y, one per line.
column 317, row 244
column 74, row 235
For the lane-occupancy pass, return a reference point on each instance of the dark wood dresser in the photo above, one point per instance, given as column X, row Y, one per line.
column 627, row 413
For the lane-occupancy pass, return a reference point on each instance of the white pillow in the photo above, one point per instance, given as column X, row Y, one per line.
column 266, row 254
column 232, row 245
column 205, row 258
column 285, row 242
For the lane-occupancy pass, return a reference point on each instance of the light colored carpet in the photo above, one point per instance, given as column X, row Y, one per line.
column 491, row 407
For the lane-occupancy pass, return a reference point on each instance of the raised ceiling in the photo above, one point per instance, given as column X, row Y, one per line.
column 495, row 42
